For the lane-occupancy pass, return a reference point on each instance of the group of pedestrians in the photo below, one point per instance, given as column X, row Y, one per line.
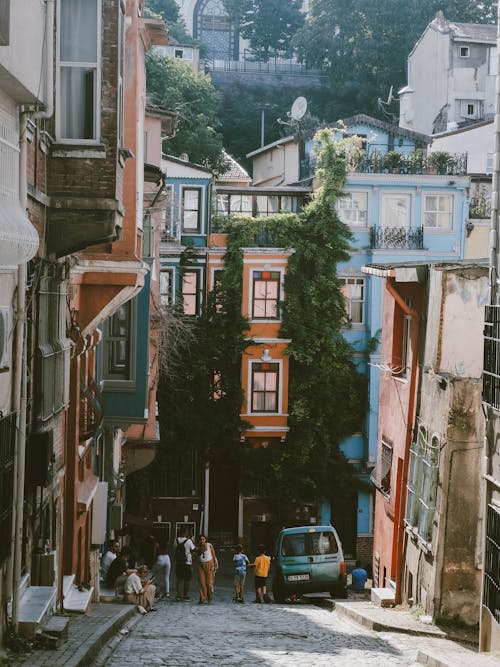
column 141, row 586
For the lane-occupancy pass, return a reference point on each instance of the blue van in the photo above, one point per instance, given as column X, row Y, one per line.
column 309, row 559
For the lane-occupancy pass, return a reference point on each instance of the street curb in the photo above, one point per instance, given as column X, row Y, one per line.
column 88, row 652
column 384, row 627
column 424, row 658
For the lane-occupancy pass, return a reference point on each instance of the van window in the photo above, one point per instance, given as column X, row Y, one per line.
column 309, row 544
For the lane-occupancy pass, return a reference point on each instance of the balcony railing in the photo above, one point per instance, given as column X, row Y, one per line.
column 491, row 366
column 392, row 162
column 398, row 238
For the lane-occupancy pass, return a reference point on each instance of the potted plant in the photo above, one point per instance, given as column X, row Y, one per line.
column 439, row 161
column 392, row 161
column 416, row 161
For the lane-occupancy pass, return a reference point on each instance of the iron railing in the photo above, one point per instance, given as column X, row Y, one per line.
column 7, row 449
column 399, row 238
column 491, row 364
column 480, row 207
column 491, row 591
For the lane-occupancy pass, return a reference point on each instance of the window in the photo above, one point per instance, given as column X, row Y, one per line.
column 190, row 292
column 423, row 483
column 470, row 108
column 240, row 204
column 166, row 288
column 353, row 290
column 266, row 292
column 119, row 358
column 401, row 342
column 191, row 209
column 438, row 211
column 79, row 45
column 381, row 476
column 395, row 210
column 464, row 52
column 265, row 382
column 178, row 53
column 353, row 209
column 491, row 594
column 53, row 345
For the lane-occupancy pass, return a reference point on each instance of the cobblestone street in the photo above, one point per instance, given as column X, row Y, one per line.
column 182, row 634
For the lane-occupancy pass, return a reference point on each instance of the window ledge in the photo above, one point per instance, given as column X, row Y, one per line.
column 85, row 151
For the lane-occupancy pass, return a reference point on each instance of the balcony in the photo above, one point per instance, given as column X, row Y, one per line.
column 491, row 366
column 393, row 162
column 397, row 238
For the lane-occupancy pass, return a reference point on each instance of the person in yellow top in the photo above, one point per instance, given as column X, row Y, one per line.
column 262, row 565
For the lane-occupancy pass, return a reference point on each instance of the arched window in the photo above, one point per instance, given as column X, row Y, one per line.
column 212, row 26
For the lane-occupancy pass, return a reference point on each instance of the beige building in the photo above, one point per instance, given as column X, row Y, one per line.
column 451, row 77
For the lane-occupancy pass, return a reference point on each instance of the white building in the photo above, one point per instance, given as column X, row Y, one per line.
column 451, row 77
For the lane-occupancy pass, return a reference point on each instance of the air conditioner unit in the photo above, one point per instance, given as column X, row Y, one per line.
column 4, row 337
column 116, row 517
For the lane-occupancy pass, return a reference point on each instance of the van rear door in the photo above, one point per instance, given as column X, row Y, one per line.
column 294, row 557
column 325, row 557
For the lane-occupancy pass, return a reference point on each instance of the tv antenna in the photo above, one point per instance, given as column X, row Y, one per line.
column 384, row 105
column 298, row 109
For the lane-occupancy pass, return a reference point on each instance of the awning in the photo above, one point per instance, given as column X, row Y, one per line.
column 18, row 238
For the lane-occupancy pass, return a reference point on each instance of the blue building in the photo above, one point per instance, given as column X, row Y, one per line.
column 401, row 206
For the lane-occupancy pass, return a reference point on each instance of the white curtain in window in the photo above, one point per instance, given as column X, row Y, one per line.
column 78, row 31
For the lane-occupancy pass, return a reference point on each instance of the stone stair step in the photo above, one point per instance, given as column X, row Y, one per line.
column 78, row 602
column 383, row 597
column 35, row 607
column 57, row 625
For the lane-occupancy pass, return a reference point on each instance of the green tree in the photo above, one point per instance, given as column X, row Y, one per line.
column 168, row 10
column 173, row 84
column 364, row 45
column 269, row 25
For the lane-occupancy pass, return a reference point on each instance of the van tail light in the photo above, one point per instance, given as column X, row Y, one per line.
column 342, row 567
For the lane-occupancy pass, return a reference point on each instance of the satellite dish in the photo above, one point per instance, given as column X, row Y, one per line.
column 299, row 107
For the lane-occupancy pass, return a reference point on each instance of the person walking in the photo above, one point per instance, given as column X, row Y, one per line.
column 262, row 565
column 240, row 561
column 161, row 570
column 184, row 547
column 207, row 566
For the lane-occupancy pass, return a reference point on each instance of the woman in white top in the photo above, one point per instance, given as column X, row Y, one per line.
column 207, row 566
column 161, row 569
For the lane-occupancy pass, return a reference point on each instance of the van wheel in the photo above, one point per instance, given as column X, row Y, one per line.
column 278, row 592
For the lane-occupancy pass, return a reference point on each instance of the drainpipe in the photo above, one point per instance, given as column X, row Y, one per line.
column 399, row 522
column 20, row 369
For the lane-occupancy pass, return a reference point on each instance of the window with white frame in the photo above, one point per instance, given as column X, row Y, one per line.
column 353, row 208
column 395, row 210
column 438, row 211
column 190, row 292
column 464, row 52
column 266, row 294
column 119, row 347
column 470, row 108
column 353, row 290
column 265, row 386
column 79, row 54
column 240, row 204
column 423, row 483
column 191, row 209
column 166, row 287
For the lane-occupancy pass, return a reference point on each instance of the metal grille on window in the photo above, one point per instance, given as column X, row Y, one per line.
column 491, row 594
column 381, row 476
